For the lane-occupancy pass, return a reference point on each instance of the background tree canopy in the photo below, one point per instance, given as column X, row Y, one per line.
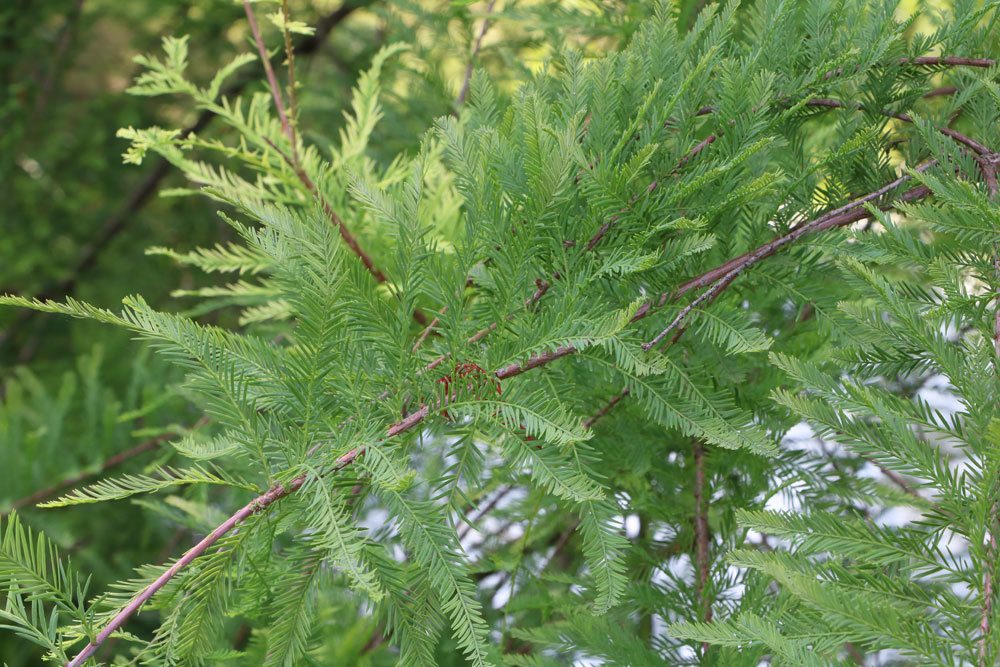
column 500, row 332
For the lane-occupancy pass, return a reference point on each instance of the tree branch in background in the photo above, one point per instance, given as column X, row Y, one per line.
column 702, row 537
column 109, row 464
column 118, row 221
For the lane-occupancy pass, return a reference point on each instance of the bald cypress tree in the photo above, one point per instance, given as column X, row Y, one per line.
column 629, row 360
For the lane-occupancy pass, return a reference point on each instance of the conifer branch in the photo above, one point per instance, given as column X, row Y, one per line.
column 906, row 118
column 948, row 61
column 930, row 61
column 346, row 236
column 255, row 506
column 287, row 125
column 541, row 287
column 428, row 330
column 721, row 277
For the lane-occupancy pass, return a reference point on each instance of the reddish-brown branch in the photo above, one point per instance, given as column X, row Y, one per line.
column 768, row 249
column 968, row 142
column 427, row 330
column 255, row 506
column 843, row 215
column 535, row 361
column 345, row 234
column 948, row 61
column 288, row 127
column 272, row 80
column 899, row 481
column 541, row 287
column 293, row 104
column 931, row 61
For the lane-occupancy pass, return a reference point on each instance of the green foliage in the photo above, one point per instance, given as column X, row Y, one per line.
column 429, row 383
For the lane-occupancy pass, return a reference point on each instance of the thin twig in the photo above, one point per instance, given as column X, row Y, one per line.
column 293, row 105
column 484, row 510
column 608, row 407
column 721, row 277
column 906, row 118
column 255, row 506
column 541, row 287
column 272, row 80
column 930, row 61
column 427, row 330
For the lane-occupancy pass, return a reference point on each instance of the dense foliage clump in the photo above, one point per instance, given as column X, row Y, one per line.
column 679, row 346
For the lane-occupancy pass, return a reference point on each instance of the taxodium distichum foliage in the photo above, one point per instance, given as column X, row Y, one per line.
column 681, row 348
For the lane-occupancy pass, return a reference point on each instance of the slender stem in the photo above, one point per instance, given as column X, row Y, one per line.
column 272, row 80
column 607, row 407
column 723, row 276
column 906, row 118
column 293, row 106
column 258, row 504
column 427, row 330
column 255, row 506
column 502, row 493
column 345, row 234
column 948, row 61
column 931, row 61
column 541, row 287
